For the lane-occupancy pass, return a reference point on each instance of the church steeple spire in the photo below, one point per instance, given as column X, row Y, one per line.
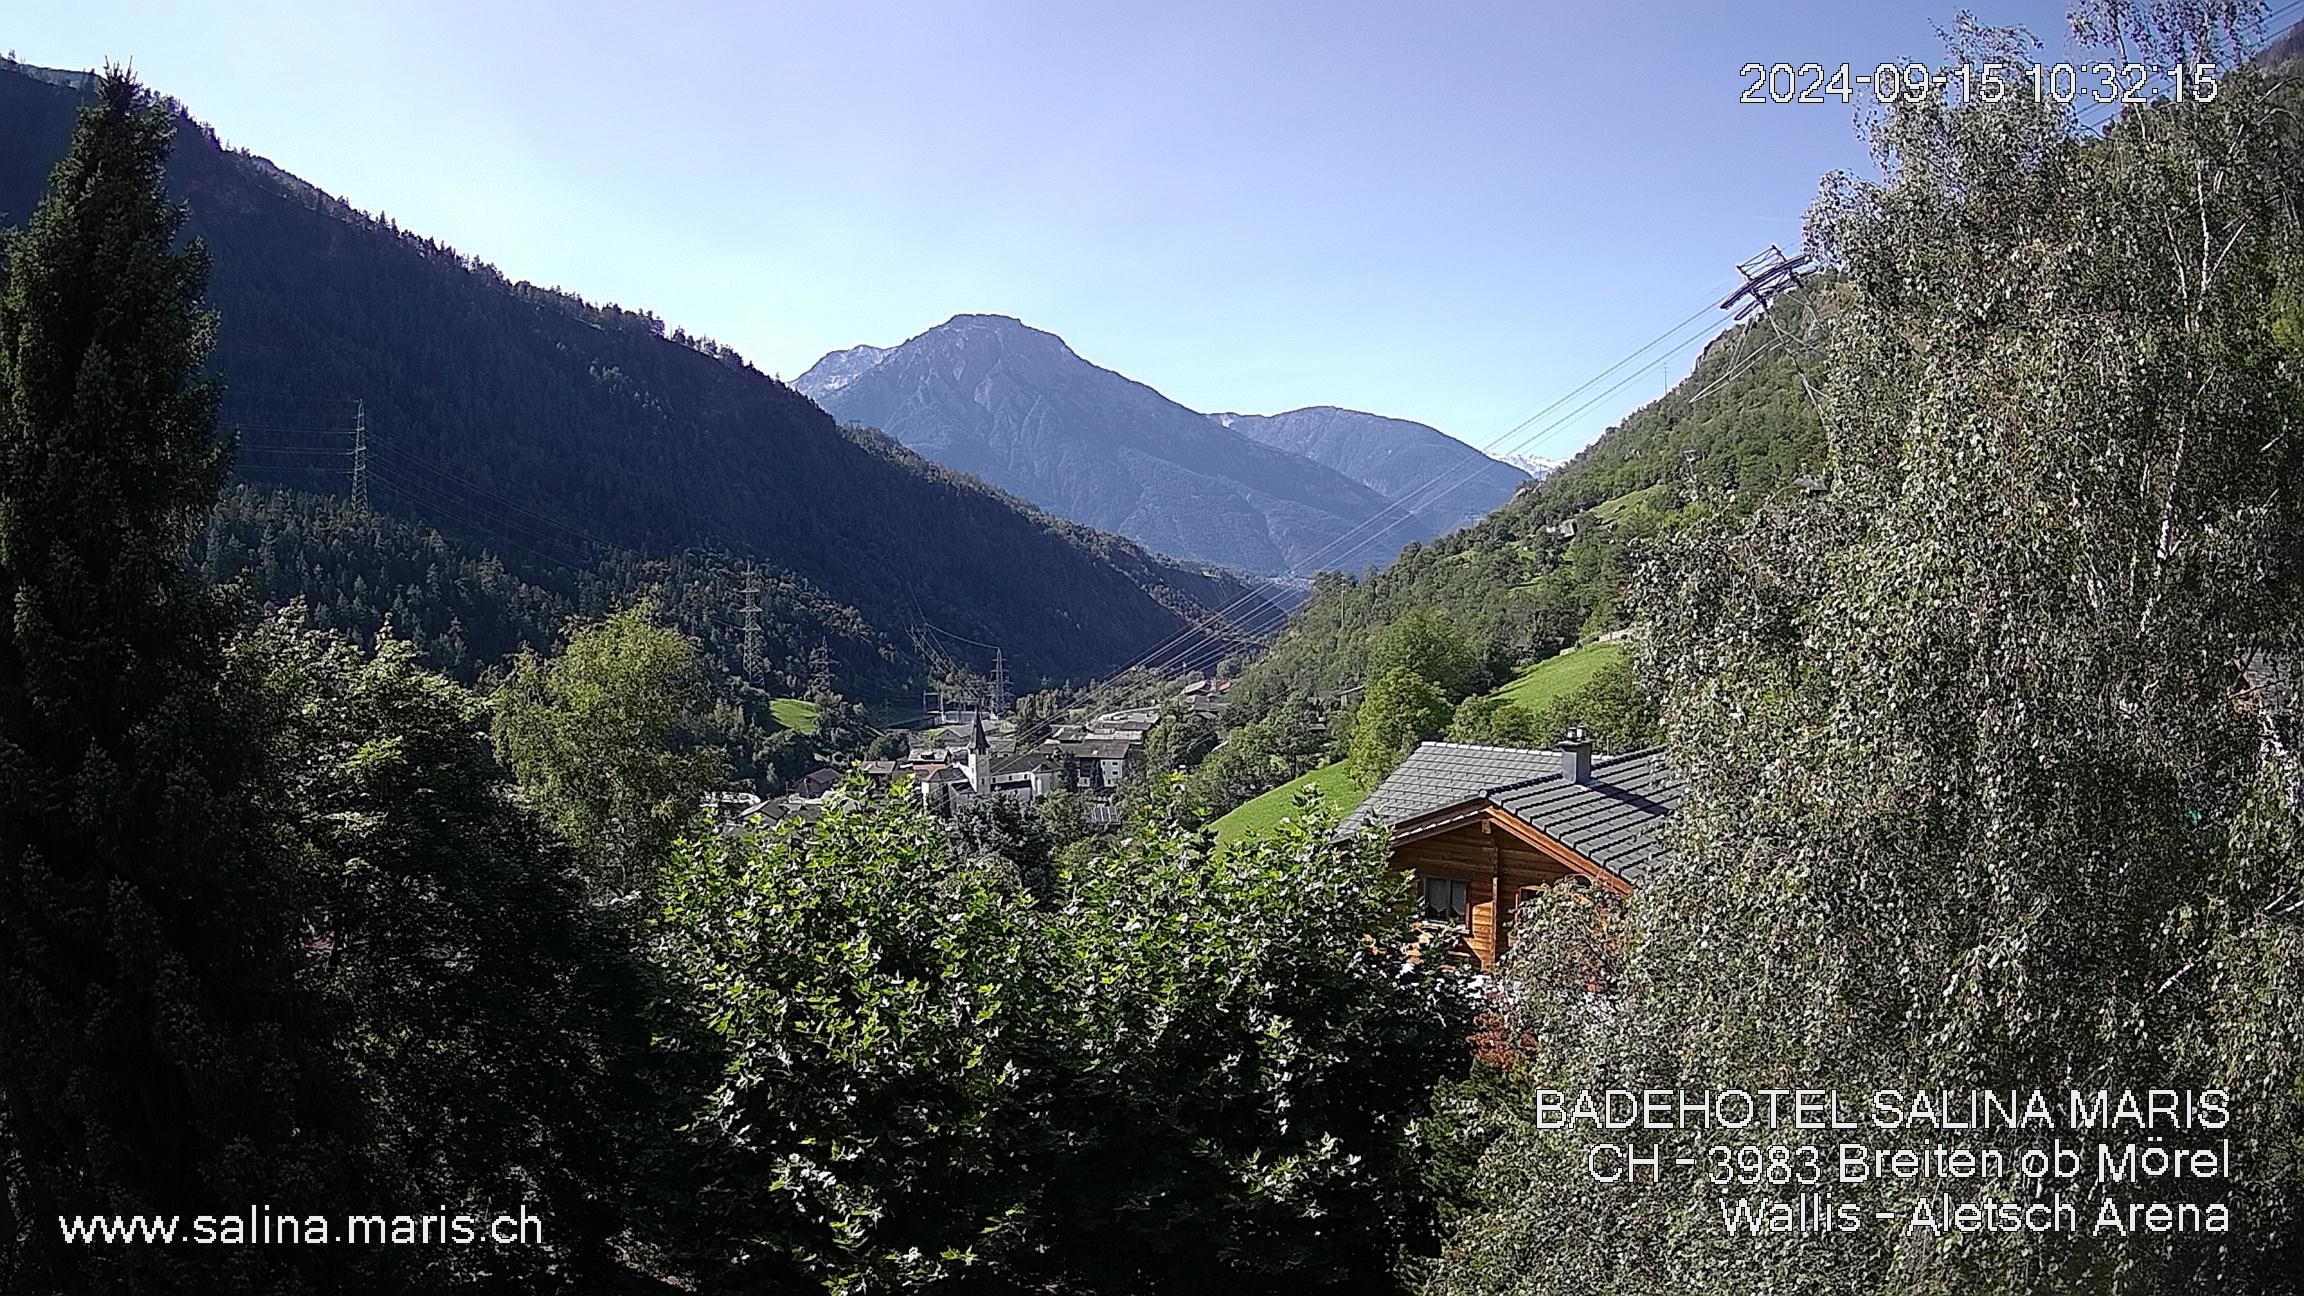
column 979, row 761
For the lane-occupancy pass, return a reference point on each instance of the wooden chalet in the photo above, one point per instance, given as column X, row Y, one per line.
column 1482, row 827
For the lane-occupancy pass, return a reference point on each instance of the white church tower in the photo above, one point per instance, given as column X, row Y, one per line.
column 979, row 762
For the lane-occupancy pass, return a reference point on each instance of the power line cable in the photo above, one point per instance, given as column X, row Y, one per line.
column 1427, row 493
column 412, row 462
column 1567, row 418
column 299, row 450
column 962, row 638
column 444, row 496
column 2097, row 116
column 1152, row 660
column 1455, row 477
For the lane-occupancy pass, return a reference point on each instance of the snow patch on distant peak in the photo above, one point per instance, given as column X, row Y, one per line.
column 838, row 369
column 1532, row 465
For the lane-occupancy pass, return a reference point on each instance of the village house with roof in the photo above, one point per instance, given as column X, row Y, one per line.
column 1481, row 828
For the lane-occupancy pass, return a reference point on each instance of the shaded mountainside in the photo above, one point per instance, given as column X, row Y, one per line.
column 562, row 417
column 990, row 396
column 1444, row 481
column 2287, row 47
column 1522, row 585
column 465, row 607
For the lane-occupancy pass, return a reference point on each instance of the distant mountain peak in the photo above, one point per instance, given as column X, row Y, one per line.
column 1447, row 483
column 839, row 369
column 1535, row 467
column 1321, row 486
column 1006, row 330
column 995, row 397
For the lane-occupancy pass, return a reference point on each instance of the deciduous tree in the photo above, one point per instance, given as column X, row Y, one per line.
column 602, row 738
column 1992, row 783
column 1400, row 708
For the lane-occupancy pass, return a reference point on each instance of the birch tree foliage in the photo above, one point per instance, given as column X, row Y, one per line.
column 1993, row 781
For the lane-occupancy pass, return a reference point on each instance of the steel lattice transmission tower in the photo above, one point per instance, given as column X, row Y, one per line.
column 1765, row 275
column 751, row 612
column 360, row 455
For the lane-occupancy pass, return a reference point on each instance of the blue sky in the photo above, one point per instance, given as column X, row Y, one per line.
column 1451, row 212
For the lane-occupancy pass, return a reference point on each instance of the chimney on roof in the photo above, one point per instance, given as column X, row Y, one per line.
column 1576, row 755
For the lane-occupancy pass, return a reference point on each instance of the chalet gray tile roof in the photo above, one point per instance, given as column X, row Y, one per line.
column 1443, row 773
column 1616, row 820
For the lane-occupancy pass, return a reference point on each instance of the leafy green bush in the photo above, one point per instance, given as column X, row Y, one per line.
column 603, row 739
column 1430, row 642
column 1192, row 1071
column 1256, row 757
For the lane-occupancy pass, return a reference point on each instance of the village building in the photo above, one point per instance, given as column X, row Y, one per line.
column 1205, row 697
column 1091, row 758
column 736, row 812
column 1481, row 828
column 815, row 783
column 982, row 771
column 1133, row 723
column 1035, row 773
column 1100, row 764
column 726, row 807
column 936, row 786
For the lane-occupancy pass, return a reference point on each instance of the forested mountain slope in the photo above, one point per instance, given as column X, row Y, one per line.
column 591, row 418
column 1515, row 580
column 465, row 607
column 989, row 395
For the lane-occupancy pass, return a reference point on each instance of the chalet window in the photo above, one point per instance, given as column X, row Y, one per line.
column 1445, row 901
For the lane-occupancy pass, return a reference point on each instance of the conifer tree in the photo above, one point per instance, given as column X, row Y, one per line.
column 147, row 1028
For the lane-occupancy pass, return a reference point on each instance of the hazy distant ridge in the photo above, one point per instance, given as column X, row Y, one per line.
column 1304, row 491
column 1446, row 482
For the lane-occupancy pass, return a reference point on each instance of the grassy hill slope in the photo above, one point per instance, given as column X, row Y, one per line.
column 1545, row 571
column 1262, row 813
column 1557, row 677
